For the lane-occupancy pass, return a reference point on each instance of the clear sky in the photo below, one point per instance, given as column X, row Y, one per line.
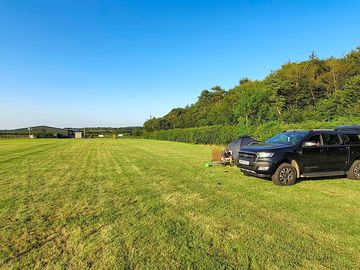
column 115, row 63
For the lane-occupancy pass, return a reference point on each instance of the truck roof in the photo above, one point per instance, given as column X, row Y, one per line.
column 352, row 129
column 310, row 130
column 323, row 129
column 296, row 130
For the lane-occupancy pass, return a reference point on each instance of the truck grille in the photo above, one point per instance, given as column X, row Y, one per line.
column 247, row 155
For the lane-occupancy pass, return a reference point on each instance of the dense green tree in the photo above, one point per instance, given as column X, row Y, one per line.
column 352, row 96
column 354, row 60
column 313, row 89
column 337, row 71
column 152, row 124
column 253, row 106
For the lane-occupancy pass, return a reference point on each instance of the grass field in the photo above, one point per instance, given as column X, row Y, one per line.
column 135, row 204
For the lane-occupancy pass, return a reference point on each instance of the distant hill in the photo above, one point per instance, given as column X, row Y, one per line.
column 36, row 130
column 47, row 131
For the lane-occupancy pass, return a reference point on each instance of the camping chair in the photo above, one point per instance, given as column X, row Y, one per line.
column 229, row 160
column 216, row 157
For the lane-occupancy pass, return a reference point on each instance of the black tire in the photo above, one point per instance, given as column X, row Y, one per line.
column 285, row 175
column 246, row 174
column 354, row 172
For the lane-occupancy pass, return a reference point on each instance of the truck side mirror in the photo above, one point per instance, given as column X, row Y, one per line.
column 309, row 144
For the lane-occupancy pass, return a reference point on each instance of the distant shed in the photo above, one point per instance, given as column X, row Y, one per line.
column 78, row 134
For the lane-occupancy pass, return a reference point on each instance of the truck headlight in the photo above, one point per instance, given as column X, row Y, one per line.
column 265, row 154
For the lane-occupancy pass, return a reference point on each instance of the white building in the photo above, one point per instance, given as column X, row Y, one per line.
column 78, row 135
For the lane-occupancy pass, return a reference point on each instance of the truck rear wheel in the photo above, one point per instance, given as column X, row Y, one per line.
column 284, row 175
column 354, row 172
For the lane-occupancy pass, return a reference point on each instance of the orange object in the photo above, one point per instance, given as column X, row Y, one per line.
column 216, row 156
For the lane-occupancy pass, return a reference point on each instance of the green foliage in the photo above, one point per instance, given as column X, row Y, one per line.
column 46, row 135
column 226, row 134
column 109, row 131
column 203, row 135
column 253, row 106
column 137, row 132
column 322, row 90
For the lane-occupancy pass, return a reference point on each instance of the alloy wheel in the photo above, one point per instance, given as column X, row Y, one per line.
column 357, row 171
column 287, row 175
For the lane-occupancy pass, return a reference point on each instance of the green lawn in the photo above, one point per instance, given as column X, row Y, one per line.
column 135, row 204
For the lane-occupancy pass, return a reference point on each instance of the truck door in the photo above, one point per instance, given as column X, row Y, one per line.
column 312, row 155
column 336, row 152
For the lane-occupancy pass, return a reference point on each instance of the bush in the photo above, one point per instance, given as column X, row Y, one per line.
column 45, row 135
column 226, row 134
column 199, row 135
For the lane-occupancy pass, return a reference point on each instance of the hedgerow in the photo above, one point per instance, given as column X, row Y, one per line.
column 226, row 134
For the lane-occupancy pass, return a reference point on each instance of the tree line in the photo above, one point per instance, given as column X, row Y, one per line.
column 321, row 90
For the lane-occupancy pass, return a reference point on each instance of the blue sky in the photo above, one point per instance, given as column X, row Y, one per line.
column 115, row 63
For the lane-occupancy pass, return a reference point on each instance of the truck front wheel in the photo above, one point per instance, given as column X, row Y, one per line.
column 284, row 175
column 354, row 172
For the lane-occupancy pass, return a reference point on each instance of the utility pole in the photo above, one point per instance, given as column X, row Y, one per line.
column 29, row 129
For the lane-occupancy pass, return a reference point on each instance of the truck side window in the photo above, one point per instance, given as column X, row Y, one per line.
column 331, row 139
column 353, row 138
column 315, row 139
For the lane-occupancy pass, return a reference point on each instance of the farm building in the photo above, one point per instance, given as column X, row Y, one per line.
column 74, row 133
column 78, row 135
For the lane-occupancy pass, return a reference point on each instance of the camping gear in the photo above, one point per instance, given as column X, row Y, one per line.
column 234, row 147
column 207, row 165
column 216, row 156
column 226, row 158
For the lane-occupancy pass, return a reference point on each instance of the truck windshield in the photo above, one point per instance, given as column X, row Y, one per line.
column 289, row 138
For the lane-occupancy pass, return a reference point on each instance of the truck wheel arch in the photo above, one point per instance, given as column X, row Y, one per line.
column 296, row 166
column 354, row 159
column 351, row 172
column 293, row 163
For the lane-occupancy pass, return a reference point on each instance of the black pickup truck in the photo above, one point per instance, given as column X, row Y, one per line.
column 304, row 153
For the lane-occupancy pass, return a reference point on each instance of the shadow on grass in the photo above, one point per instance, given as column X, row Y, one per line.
column 338, row 177
column 299, row 180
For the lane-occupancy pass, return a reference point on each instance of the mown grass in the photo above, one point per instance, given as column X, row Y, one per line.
column 135, row 204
